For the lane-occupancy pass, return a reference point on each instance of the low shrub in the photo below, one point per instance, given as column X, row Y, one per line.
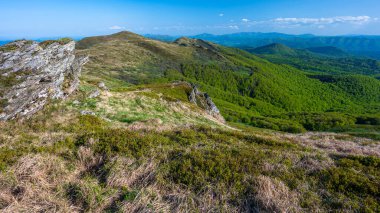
column 321, row 121
column 47, row 43
column 110, row 142
column 8, row 48
column 277, row 124
column 355, row 178
column 368, row 120
column 61, row 41
column 199, row 169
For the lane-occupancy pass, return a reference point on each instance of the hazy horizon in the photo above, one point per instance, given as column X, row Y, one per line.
column 172, row 35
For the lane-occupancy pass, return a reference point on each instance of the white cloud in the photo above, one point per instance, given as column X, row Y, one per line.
column 324, row 21
column 116, row 28
column 233, row 27
column 245, row 20
column 221, row 14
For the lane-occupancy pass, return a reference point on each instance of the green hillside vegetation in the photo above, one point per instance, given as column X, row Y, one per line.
column 63, row 161
column 328, row 60
column 328, row 51
column 246, row 88
column 275, row 48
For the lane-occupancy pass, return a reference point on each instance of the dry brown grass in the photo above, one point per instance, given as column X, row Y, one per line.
column 333, row 143
column 87, row 159
column 140, row 176
column 33, row 185
column 314, row 163
column 149, row 199
column 274, row 196
column 129, row 173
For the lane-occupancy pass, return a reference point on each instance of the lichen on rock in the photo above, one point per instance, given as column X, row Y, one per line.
column 38, row 74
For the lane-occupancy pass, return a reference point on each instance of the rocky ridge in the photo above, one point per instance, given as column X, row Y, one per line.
column 32, row 73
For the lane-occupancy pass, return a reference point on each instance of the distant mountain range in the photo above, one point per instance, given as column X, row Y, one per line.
column 281, row 49
column 361, row 45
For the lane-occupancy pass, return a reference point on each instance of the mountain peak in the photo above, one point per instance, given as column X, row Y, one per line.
column 184, row 40
column 123, row 35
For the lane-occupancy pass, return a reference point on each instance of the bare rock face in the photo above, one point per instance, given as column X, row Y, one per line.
column 204, row 101
column 32, row 73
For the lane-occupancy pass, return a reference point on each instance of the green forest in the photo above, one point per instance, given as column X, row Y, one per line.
column 281, row 97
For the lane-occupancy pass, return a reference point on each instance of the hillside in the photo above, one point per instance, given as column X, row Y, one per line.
column 329, row 51
column 274, row 48
column 172, row 127
column 322, row 60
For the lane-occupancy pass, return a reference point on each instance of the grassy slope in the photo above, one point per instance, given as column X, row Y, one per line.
column 148, row 149
column 246, row 87
column 62, row 161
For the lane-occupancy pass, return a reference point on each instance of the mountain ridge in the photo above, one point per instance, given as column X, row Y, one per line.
column 360, row 45
column 274, row 48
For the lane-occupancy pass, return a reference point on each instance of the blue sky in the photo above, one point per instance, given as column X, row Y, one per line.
column 50, row 18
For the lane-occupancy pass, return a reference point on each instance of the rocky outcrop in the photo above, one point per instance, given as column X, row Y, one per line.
column 188, row 42
column 203, row 49
column 35, row 73
column 204, row 101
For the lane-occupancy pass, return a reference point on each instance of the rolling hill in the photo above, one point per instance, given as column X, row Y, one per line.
column 323, row 60
column 246, row 87
column 275, row 48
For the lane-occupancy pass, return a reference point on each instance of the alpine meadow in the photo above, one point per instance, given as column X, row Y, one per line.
column 110, row 107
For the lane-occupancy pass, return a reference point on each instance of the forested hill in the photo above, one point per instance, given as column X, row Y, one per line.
column 323, row 60
column 329, row 51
